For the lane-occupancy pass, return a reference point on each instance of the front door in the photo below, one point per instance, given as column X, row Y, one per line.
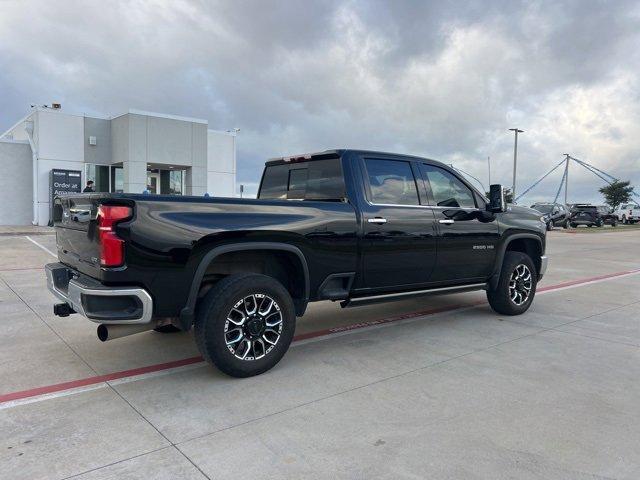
column 399, row 243
column 468, row 235
column 153, row 182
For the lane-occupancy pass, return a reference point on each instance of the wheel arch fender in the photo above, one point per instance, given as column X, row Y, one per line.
column 188, row 312
column 493, row 282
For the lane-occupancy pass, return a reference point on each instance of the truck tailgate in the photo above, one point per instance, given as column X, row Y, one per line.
column 74, row 219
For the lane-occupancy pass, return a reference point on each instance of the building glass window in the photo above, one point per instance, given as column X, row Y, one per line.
column 176, row 182
column 99, row 174
column 117, row 180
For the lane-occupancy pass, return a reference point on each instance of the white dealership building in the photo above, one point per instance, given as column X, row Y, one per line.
column 132, row 152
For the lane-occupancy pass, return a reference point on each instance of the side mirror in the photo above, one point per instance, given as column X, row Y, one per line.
column 496, row 199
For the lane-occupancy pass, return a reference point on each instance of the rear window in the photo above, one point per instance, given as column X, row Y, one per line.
column 544, row 208
column 314, row 180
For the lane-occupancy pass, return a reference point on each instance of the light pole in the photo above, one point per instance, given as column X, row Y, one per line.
column 515, row 163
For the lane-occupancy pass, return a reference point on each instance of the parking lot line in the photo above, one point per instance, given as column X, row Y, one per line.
column 41, row 246
column 46, row 392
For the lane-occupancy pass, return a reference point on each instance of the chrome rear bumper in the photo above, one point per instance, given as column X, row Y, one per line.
column 100, row 304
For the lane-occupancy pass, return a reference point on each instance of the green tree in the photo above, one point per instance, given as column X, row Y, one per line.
column 616, row 193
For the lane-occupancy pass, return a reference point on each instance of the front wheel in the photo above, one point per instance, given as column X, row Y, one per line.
column 245, row 324
column 516, row 287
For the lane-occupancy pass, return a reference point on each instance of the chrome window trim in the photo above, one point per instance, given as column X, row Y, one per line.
column 437, row 207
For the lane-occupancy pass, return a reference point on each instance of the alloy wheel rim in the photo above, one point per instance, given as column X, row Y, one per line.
column 253, row 327
column 520, row 285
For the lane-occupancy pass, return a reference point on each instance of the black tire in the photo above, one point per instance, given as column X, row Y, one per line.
column 167, row 329
column 574, row 225
column 215, row 308
column 599, row 223
column 500, row 298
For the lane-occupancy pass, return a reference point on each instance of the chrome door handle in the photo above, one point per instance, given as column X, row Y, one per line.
column 447, row 221
column 378, row 220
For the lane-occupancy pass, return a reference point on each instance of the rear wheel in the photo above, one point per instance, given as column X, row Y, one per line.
column 245, row 324
column 516, row 287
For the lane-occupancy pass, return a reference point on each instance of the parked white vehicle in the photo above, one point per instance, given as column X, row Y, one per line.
column 628, row 213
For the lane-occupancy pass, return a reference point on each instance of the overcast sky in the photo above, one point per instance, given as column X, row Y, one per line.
column 445, row 80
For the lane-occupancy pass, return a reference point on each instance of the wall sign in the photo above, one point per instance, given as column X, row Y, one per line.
column 61, row 182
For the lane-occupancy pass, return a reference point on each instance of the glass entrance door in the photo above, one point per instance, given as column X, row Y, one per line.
column 153, row 182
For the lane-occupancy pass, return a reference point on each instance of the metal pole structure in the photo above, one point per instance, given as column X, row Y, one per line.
column 489, row 164
column 566, row 179
column 542, row 178
column 515, row 161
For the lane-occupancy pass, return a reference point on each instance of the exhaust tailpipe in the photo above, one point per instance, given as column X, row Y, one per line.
column 109, row 332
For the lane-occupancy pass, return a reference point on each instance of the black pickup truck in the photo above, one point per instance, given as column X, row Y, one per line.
column 342, row 225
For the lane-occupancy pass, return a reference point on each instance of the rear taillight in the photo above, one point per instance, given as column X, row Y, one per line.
column 111, row 247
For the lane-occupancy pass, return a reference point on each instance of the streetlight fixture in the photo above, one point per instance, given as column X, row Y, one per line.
column 515, row 162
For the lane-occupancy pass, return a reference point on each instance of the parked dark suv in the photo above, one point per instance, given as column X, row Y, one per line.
column 554, row 214
column 591, row 215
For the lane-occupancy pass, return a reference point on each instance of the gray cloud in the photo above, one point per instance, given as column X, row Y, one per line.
column 440, row 79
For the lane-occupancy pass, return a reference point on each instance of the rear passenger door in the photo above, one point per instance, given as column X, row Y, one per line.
column 399, row 243
column 468, row 235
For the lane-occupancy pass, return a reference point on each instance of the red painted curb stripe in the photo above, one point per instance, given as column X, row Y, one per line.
column 58, row 387
column 587, row 280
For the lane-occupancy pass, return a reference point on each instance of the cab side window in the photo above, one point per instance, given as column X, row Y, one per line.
column 447, row 189
column 391, row 182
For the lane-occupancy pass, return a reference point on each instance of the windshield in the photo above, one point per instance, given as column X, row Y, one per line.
column 544, row 208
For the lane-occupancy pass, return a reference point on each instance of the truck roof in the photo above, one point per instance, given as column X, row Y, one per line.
column 337, row 153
